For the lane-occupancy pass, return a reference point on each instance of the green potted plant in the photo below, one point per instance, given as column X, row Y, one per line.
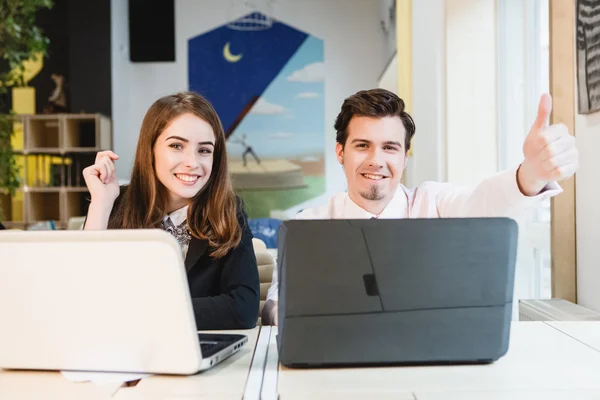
column 20, row 40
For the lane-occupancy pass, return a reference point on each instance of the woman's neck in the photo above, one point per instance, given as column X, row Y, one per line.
column 176, row 204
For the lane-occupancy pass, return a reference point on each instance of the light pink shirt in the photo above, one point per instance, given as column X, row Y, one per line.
column 497, row 196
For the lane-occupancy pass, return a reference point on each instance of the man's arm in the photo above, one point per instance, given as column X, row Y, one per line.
column 496, row 196
column 550, row 156
column 269, row 313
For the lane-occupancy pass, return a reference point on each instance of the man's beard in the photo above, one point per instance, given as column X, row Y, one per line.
column 374, row 193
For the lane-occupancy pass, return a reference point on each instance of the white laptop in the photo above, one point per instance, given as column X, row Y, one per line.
column 115, row 300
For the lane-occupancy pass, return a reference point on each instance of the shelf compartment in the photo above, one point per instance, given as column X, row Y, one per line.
column 13, row 208
column 43, row 134
column 81, row 133
column 74, row 164
column 43, row 206
column 44, row 171
column 76, row 203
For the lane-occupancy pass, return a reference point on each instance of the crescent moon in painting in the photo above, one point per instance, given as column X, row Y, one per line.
column 231, row 57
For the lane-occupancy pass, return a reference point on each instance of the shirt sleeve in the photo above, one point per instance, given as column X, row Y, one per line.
column 496, row 196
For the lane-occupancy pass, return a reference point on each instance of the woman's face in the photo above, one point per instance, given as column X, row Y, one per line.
column 183, row 158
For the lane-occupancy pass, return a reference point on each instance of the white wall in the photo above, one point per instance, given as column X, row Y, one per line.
column 125, row 125
column 454, row 91
column 428, row 162
column 471, row 106
column 354, row 58
column 587, row 131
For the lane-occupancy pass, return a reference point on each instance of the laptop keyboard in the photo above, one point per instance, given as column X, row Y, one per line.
column 211, row 343
column 206, row 346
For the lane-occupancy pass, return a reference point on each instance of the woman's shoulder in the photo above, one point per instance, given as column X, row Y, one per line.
column 241, row 210
column 239, row 202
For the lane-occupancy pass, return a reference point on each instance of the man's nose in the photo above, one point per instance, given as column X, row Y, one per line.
column 374, row 160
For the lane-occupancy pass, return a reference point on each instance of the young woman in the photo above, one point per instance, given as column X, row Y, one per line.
column 180, row 183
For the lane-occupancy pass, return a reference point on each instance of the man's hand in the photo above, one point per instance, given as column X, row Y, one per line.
column 269, row 312
column 550, row 152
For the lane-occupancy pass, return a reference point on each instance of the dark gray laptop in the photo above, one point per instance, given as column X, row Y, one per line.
column 411, row 291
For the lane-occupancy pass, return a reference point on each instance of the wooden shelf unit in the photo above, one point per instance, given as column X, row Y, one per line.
column 52, row 151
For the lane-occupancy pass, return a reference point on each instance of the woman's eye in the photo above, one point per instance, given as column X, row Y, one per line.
column 204, row 151
column 176, row 146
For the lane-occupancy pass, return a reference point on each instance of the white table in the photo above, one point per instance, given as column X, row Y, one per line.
column 549, row 361
column 240, row 376
column 542, row 362
column 587, row 332
column 226, row 380
column 30, row 385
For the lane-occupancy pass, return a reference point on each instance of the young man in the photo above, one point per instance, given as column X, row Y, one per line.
column 373, row 139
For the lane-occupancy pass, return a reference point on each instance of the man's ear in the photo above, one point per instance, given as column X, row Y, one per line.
column 339, row 151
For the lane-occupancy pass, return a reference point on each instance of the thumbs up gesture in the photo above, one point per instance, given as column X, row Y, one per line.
column 550, row 152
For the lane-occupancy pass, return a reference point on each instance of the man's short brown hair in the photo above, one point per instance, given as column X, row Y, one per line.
column 376, row 103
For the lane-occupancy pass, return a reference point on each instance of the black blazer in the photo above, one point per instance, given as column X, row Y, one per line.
column 226, row 291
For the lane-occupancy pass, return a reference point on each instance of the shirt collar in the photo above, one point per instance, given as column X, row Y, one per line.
column 177, row 217
column 396, row 208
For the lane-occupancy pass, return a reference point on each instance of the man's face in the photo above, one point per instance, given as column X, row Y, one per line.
column 373, row 158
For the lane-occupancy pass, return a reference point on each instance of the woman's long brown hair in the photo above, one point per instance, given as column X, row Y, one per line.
column 212, row 214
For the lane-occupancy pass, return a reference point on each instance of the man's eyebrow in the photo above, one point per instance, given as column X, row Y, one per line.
column 386, row 143
column 394, row 143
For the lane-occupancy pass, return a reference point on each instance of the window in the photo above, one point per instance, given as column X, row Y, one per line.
column 523, row 75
